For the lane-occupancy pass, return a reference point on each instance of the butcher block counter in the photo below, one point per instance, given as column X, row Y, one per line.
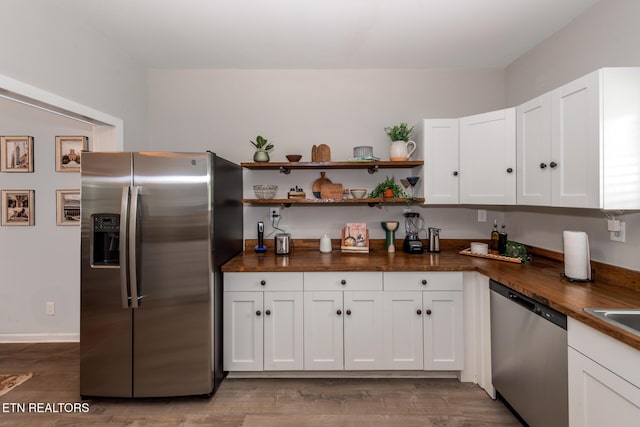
column 541, row 279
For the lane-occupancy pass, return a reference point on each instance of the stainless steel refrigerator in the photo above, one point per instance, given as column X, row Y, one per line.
column 155, row 229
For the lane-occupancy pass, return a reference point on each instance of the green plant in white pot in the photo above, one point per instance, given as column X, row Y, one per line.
column 262, row 147
column 401, row 145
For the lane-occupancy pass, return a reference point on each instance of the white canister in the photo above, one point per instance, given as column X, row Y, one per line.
column 325, row 244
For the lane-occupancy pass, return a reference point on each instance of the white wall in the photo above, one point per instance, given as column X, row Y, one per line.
column 58, row 54
column 221, row 110
column 40, row 263
column 606, row 35
column 50, row 50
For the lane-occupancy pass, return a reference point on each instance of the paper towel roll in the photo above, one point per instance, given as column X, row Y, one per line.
column 577, row 263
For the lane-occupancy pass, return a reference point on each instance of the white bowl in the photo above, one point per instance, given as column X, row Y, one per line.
column 358, row 193
column 479, row 248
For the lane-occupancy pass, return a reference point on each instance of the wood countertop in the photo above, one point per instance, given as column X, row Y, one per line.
column 541, row 279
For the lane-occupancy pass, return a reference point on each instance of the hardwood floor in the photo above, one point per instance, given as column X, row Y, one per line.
column 244, row 402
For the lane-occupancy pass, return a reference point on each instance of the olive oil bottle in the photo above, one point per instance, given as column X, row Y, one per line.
column 495, row 237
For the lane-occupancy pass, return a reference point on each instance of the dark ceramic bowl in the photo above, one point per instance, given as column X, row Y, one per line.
column 293, row 157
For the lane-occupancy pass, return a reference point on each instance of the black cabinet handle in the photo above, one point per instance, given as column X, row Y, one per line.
column 543, row 165
column 424, row 281
column 263, row 282
column 419, row 312
column 348, row 312
column 428, row 312
column 509, row 170
column 268, row 312
column 339, row 312
column 258, row 313
column 553, row 164
column 343, row 282
column 455, row 173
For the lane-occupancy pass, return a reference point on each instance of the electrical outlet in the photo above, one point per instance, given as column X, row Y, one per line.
column 482, row 215
column 274, row 213
column 51, row 308
column 618, row 236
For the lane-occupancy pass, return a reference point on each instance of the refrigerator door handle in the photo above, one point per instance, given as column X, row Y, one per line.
column 133, row 249
column 124, row 258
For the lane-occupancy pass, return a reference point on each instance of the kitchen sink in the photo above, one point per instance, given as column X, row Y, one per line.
column 626, row 318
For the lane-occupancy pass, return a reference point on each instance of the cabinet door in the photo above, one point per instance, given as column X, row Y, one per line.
column 363, row 330
column 283, row 331
column 242, row 350
column 534, row 152
column 575, row 143
column 440, row 141
column 323, row 333
column 443, row 333
column 598, row 397
column 403, row 339
column 488, row 158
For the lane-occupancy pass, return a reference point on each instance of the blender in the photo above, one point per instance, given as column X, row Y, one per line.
column 413, row 224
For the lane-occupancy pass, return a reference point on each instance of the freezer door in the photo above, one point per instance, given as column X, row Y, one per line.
column 172, row 325
column 105, row 325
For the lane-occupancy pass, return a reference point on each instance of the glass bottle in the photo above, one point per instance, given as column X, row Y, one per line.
column 495, row 236
column 502, row 241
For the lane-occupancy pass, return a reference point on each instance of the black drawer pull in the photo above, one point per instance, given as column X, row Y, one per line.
column 268, row 312
column 428, row 312
column 258, row 313
column 343, row 282
column 263, row 282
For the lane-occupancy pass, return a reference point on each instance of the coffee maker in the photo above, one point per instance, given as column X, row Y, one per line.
column 413, row 224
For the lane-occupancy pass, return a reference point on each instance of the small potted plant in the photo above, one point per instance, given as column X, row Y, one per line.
column 400, row 141
column 388, row 189
column 262, row 149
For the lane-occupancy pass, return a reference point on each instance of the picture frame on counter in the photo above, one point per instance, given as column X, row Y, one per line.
column 16, row 154
column 68, row 152
column 67, row 207
column 18, row 207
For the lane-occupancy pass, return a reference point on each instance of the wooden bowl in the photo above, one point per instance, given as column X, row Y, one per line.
column 293, row 157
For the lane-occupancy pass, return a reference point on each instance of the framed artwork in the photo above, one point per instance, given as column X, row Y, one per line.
column 18, row 208
column 68, row 207
column 16, row 153
column 68, row 150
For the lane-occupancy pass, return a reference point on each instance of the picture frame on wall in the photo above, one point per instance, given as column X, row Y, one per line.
column 68, row 207
column 18, row 207
column 68, row 152
column 16, row 154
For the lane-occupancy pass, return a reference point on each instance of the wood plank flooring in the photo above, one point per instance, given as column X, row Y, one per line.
column 246, row 402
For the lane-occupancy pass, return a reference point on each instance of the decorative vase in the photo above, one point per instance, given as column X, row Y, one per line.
column 401, row 150
column 388, row 193
column 261, row 156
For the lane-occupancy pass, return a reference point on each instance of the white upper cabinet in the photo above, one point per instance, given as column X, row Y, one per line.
column 533, row 143
column 488, row 158
column 574, row 161
column 439, row 139
column 578, row 146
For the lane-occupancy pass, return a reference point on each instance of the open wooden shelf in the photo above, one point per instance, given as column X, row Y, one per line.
column 333, row 202
column 372, row 167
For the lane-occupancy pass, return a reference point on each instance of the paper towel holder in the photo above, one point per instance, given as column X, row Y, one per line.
column 571, row 279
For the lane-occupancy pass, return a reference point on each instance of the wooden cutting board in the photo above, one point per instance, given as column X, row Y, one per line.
column 314, row 153
column 323, row 154
column 318, row 182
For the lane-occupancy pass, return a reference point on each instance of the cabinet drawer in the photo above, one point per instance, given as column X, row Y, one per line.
column 343, row 280
column 263, row 281
column 423, row 280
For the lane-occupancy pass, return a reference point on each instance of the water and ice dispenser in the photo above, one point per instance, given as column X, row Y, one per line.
column 105, row 236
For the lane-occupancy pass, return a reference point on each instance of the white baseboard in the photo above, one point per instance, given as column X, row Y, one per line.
column 38, row 338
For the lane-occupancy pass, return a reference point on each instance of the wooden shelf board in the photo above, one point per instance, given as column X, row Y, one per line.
column 331, row 201
column 332, row 165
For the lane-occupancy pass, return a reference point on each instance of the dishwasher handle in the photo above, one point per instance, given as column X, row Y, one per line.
column 518, row 299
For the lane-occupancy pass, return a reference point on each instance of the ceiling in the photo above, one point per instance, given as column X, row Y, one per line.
column 324, row 33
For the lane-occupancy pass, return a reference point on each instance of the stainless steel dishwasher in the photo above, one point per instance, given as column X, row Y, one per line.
column 529, row 357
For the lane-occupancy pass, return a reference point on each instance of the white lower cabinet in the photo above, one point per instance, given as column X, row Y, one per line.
column 343, row 321
column 604, row 380
column 263, row 330
column 323, row 331
column 443, row 337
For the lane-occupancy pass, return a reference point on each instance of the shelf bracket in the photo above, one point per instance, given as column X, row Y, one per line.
column 285, row 205
column 373, row 169
column 285, row 170
column 375, row 205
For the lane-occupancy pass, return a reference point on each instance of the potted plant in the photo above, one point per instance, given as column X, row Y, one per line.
column 262, row 149
column 388, row 189
column 400, row 141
